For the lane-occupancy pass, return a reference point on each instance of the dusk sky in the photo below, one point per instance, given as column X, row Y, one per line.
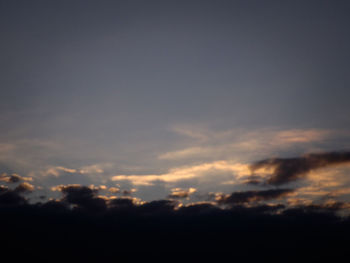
column 176, row 99
column 144, row 131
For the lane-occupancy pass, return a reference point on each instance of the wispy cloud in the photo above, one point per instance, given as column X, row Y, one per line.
column 238, row 143
column 188, row 152
column 234, row 170
column 57, row 171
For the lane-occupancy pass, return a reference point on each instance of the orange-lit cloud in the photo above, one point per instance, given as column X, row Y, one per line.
column 290, row 169
column 57, row 170
column 237, row 170
column 14, row 178
column 324, row 183
column 95, row 169
column 24, row 187
column 114, row 190
column 181, row 193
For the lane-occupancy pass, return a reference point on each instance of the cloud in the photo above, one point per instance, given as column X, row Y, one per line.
column 301, row 136
column 3, row 188
column 285, row 170
column 128, row 192
column 92, row 169
column 205, row 170
column 57, row 171
column 114, row 190
column 188, row 152
column 273, row 139
column 10, row 197
column 340, row 191
column 253, row 196
column 82, row 196
column 85, row 170
column 331, row 205
column 76, row 190
column 87, row 197
column 199, row 209
column 97, row 187
column 13, row 178
column 197, row 133
column 123, row 203
column 153, row 230
column 178, row 193
column 82, row 221
column 322, row 183
column 24, row 188
column 158, row 207
column 238, row 143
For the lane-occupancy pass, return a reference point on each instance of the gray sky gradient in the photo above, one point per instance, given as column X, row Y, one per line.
column 143, row 87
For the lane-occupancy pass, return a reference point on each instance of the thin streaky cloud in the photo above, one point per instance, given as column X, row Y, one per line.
column 238, row 142
column 238, row 170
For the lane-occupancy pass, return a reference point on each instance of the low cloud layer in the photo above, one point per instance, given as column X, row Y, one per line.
column 82, row 197
column 83, row 224
column 253, row 196
column 226, row 183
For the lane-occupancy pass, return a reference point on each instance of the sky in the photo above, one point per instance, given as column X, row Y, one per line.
column 189, row 130
column 193, row 101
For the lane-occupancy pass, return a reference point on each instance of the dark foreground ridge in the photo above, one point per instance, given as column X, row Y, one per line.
column 157, row 232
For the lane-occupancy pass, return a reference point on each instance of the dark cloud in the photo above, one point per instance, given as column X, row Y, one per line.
column 253, row 196
column 290, row 169
column 75, row 194
column 10, row 197
column 3, row 188
column 82, row 197
column 131, row 231
column 127, row 192
column 158, row 207
column 199, row 209
column 119, row 203
column 123, row 205
column 54, row 207
column 326, row 207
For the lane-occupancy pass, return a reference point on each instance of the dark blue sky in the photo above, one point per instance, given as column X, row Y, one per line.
column 157, row 88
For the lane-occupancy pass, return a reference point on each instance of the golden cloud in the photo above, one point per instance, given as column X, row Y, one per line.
column 238, row 171
column 182, row 193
